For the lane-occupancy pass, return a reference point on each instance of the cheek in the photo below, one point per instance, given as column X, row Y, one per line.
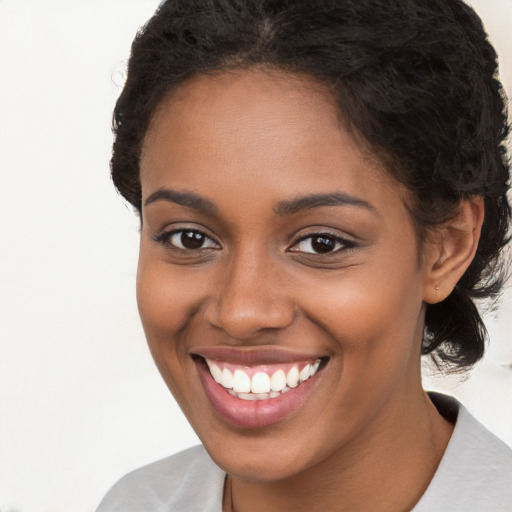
column 374, row 322
column 373, row 316
column 167, row 297
column 164, row 307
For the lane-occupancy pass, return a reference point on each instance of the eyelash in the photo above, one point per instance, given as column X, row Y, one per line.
column 166, row 237
column 341, row 244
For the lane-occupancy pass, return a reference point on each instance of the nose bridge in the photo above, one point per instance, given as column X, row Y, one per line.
column 250, row 298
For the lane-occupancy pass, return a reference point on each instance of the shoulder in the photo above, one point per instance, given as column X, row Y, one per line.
column 475, row 472
column 189, row 480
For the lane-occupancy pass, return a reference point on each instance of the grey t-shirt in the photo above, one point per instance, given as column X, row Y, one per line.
column 475, row 475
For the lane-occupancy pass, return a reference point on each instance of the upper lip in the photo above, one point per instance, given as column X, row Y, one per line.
column 254, row 355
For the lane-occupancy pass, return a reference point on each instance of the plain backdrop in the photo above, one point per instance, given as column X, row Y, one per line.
column 81, row 401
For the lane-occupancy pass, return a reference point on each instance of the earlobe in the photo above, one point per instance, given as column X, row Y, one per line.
column 454, row 247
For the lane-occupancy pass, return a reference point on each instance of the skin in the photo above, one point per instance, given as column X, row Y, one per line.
column 367, row 438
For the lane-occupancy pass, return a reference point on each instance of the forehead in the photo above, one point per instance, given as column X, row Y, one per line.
column 270, row 132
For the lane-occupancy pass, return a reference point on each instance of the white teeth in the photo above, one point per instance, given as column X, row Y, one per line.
column 304, row 373
column 261, row 386
column 241, row 382
column 292, row 379
column 215, row 371
column 260, row 383
column 227, row 378
column 247, row 396
column 261, row 396
column 278, row 380
column 254, row 396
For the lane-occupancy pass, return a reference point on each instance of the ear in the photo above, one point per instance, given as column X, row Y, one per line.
column 451, row 250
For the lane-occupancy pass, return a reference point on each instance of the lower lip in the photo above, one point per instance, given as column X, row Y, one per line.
column 253, row 413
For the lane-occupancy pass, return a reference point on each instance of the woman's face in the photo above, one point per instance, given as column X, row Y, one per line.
column 270, row 242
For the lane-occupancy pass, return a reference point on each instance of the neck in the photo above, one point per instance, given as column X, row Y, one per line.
column 387, row 468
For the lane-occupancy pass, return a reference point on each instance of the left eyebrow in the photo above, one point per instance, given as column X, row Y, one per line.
column 183, row 198
column 311, row 201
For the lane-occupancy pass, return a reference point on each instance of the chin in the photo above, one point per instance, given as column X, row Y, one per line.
column 262, row 460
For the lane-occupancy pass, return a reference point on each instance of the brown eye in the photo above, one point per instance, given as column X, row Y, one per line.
column 321, row 243
column 190, row 240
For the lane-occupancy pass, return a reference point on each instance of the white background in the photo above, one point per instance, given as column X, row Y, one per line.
column 81, row 402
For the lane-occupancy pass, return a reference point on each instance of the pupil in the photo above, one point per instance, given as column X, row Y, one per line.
column 322, row 244
column 192, row 240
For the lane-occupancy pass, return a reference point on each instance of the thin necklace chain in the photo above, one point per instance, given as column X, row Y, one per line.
column 228, row 493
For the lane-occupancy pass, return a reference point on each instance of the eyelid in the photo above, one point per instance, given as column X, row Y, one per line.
column 165, row 235
column 346, row 242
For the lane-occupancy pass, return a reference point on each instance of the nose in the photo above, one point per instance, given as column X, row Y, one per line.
column 251, row 299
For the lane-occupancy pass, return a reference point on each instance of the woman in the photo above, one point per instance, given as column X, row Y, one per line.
column 322, row 192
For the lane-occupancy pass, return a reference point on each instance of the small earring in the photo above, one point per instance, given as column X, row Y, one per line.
column 437, row 290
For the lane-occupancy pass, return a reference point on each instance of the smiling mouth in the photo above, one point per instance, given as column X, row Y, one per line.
column 255, row 388
column 261, row 382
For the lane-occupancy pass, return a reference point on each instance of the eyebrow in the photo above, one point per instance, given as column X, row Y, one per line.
column 189, row 199
column 311, row 201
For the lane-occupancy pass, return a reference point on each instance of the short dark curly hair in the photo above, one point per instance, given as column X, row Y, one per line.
column 417, row 78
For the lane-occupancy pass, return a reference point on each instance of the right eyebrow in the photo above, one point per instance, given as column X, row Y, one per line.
column 310, row 201
column 183, row 198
